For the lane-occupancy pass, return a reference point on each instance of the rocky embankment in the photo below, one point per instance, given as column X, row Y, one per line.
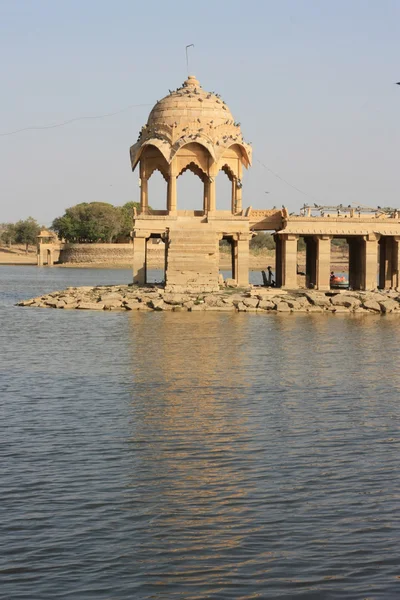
column 255, row 299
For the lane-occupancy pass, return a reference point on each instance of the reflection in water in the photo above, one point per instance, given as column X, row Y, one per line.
column 204, row 455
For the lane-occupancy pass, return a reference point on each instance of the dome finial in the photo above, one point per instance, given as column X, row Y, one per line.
column 191, row 81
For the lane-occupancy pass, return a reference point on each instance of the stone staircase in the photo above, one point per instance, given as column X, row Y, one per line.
column 193, row 260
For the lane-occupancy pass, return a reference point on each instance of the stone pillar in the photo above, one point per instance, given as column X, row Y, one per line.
column 212, row 203
column 238, row 196
column 39, row 258
column 49, row 258
column 355, row 262
column 311, row 261
column 370, row 262
column 172, row 200
column 139, row 259
column 396, row 263
column 323, row 269
column 234, row 258
column 242, row 253
column 278, row 260
column 289, row 261
column 206, row 195
column 234, row 191
column 144, row 199
column 387, row 262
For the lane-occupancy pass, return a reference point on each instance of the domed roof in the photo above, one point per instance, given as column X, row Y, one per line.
column 190, row 103
column 190, row 114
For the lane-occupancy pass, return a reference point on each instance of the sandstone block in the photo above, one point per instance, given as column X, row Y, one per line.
column 230, row 283
column 372, row 305
column 131, row 304
column 282, row 307
column 388, row 306
column 345, row 300
column 266, row 305
column 317, row 299
column 251, row 302
column 90, row 306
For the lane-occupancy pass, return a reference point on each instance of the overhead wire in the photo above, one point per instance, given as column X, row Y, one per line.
column 294, row 187
column 63, row 123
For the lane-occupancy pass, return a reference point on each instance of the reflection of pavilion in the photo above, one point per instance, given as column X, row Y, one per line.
column 191, row 129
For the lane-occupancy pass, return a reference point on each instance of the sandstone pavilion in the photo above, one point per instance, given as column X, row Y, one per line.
column 191, row 129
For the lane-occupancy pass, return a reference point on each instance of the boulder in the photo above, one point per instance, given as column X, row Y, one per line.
column 317, row 298
column 230, row 283
column 250, row 302
column 90, row 306
column 389, row 305
column 131, row 304
column 372, row 305
column 282, row 307
column 156, row 304
column 345, row 300
column 110, row 304
column 175, row 298
column 266, row 305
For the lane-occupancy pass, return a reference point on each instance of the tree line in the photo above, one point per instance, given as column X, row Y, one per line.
column 86, row 222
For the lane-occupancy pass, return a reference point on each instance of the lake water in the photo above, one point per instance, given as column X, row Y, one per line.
column 192, row 456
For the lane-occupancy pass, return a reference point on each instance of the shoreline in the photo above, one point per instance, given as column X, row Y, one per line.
column 226, row 299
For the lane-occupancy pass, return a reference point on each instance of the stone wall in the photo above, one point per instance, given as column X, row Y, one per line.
column 118, row 254
column 97, row 253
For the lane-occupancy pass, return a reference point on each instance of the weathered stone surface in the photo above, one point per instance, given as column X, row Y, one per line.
column 348, row 301
column 111, row 303
column 230, row 283
column 388, row 306
column 340, row 309
column 148, row 298
column 317, row 298
column 156, row 304
column 266, row 305
column 90, row 306
column 251, row 302
column 26, row 302
column 175, row 298
column 198, row 307
column 372, row 305
column 314, row 309
column 282, row 306
column 131, row 304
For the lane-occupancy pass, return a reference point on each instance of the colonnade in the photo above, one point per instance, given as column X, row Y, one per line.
column 209, row 193
column 239, row 252
column 366, row 252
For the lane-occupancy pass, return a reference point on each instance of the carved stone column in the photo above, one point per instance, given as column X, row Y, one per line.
column 234, row 200
column 206, row 195
column 289, row 261
column 242, row 259
column 370, row 262
column 323, row 262
column 144, row 196
column 172, row 200
column 139, row 258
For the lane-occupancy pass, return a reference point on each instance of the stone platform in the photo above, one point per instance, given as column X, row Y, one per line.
column 260, row 300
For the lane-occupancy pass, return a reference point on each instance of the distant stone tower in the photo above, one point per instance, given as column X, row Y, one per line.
column 191, row 129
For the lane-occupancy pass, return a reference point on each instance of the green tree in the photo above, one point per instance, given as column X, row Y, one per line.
column 89, row 222
column 262, row 240
column 8, row 234
column 127, row 219
column 26, row 232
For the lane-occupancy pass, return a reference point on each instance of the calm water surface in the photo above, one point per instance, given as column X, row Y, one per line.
column 193, row 456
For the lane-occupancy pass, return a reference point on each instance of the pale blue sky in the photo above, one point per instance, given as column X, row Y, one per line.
column 311, row 81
